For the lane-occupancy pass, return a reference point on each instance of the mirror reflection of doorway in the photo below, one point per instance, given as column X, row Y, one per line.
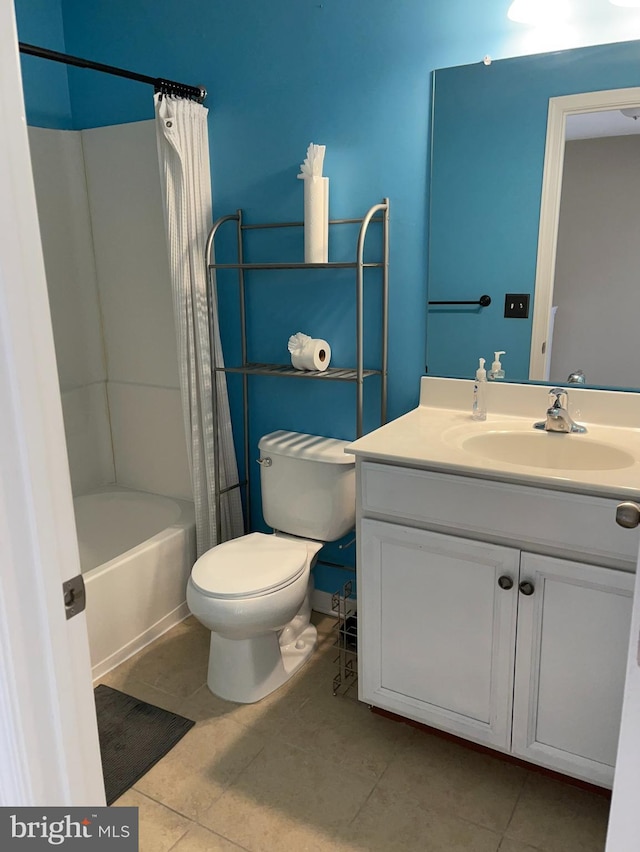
column 595, row 287
column 594, row 250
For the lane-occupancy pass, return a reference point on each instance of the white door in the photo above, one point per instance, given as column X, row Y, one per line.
column 438, row 629
column 624, row 817
column 573, row 631
column 49, row 752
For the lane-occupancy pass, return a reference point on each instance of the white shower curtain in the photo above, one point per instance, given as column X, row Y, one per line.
column 183, row 151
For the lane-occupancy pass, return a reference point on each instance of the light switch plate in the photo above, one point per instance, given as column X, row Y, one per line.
column 516, row 305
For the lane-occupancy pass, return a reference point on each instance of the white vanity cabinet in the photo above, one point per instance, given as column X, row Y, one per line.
column 462, row 627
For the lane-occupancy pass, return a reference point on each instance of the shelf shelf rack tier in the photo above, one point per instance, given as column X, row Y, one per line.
column 377, row 213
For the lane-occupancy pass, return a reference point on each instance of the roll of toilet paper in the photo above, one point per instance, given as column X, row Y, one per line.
column 316, row 220
column 315, row 354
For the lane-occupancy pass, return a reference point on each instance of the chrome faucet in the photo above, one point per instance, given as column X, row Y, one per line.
column 558, row 417
column 577, row 378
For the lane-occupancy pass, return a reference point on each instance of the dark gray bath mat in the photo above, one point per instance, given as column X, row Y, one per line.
column 133, row 736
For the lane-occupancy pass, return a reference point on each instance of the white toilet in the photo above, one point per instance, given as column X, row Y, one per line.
column 253, row 592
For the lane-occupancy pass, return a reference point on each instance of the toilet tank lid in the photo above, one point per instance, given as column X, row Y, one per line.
column 310, row 447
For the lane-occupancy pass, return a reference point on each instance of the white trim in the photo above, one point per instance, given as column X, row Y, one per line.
column 49, row 750
column 321, row 602
column 559, row 109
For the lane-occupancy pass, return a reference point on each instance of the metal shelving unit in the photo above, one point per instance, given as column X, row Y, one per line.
column 379, row 213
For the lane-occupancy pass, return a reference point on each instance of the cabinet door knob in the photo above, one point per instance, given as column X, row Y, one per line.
column 526, row 588
column 505, row 582
column 628, row 514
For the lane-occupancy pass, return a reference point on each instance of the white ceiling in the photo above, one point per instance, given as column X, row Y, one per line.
column 590, row 125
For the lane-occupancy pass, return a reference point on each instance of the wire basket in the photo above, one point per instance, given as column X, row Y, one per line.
column 346, row 641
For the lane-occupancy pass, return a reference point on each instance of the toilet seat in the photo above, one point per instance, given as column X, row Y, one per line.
column 250, row 566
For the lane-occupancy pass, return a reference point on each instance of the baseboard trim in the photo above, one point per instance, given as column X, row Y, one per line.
column 321, row 602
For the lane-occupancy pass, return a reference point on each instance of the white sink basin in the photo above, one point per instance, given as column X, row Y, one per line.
column 547, row 450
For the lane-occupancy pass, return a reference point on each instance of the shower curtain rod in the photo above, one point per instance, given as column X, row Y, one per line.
column 166, row 87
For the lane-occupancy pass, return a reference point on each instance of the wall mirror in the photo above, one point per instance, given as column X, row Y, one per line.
column 501, row 224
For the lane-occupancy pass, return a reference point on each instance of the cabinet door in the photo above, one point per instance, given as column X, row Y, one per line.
column 573, row 634
column 437, row 630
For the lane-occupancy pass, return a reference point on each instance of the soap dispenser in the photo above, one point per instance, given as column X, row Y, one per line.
column 479, row 408
column 496, row 371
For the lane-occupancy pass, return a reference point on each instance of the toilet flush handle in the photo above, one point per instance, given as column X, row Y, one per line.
column 266, row 462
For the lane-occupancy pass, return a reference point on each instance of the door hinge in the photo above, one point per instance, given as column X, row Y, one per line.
column 75, row 598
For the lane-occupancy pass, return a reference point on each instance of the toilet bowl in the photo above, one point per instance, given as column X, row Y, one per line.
column 253, row 593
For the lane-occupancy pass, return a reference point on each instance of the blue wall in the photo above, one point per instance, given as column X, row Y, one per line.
column 488, row 153
column 280, row 75
column 354, row 75
column 46, row 87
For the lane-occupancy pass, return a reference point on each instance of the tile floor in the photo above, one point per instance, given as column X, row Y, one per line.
column 304, row 771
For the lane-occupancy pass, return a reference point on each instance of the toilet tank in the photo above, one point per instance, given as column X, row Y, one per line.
column 308, row 488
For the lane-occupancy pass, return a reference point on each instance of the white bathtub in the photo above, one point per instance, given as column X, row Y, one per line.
column 136, row 553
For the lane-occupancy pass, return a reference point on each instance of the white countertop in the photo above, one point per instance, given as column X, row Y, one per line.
column 431, row 436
